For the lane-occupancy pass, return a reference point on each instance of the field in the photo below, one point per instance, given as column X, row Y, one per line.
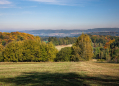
column 59, row 47
column 59, row 74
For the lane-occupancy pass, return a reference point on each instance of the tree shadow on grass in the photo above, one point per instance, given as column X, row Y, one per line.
column 58, row 79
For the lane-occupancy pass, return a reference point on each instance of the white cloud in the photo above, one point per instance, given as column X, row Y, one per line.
column 4, row 2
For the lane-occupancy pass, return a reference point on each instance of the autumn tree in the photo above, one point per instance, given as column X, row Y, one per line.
column 107, row 49
column 82, row 49
column 29, row 50
column 6, row 37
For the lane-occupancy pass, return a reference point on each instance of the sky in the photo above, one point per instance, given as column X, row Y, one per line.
column 58, row 14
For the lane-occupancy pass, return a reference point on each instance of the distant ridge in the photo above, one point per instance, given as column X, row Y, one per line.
column 72, row 33
column 101, row 33
column 103, row 30
column 105, row 33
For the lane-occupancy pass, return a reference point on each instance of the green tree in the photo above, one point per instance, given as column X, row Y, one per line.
column 116, row 55
column 64, row 54
column 1, row 57
column 51, row 51
column 29, row 50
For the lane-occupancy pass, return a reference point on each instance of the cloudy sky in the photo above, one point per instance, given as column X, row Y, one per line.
column 58, row 14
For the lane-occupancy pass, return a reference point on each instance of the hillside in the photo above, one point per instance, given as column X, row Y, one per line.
column 6, row 37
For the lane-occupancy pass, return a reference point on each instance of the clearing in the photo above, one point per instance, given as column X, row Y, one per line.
column 88, row 73
column 59, row 47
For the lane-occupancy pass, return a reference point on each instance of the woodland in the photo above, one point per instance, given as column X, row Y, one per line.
column 23, row 47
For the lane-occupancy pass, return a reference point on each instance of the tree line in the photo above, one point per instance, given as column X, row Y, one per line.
column 28, row 51
column 29, row 48
column 82, row 50
column 62, row 41
column 106, row 47
column 37, row 51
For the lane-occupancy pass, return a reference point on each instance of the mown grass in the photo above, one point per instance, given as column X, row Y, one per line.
column 59, row 74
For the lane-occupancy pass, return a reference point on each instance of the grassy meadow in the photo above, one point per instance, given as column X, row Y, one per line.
column 59, row 74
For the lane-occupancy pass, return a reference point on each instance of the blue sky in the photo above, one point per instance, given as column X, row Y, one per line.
column 58, row 14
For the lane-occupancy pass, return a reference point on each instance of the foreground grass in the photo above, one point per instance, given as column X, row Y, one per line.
column 59, row 74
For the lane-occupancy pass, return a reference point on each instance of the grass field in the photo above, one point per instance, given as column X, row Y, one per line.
column 59, row 74
column 59, row 47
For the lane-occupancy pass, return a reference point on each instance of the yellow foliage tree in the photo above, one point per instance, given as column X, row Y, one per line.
column 83, row 48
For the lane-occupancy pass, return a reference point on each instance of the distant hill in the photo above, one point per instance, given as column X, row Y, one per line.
column 58, row 33
column 103, row 30
column 72, row 33
column 105, row 33
column 101, row 33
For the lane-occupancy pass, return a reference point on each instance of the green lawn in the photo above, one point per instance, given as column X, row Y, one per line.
column 59, row 74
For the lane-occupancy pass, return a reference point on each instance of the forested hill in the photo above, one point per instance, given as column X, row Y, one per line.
column 70, row 33
column 6, row 37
